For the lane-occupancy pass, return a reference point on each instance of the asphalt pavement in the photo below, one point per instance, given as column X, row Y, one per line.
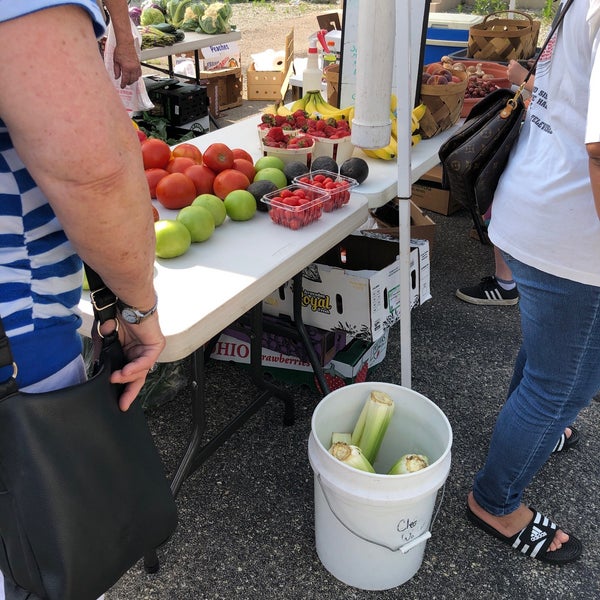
column 246, row 529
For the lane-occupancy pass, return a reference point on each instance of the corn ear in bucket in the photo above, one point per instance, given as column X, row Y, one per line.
column 372, row 424
column 351, row 455
column 409, row 463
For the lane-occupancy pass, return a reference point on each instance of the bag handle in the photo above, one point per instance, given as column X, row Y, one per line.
column 104, row 303
column 555, row 24
column 512, row 103
column 503, row 12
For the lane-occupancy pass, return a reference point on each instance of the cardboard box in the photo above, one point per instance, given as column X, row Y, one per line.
column 428, row 193
column 271, row 85
column 354, row 287
column 224, row 88
column 281, row 336
column 347, row 365
column 422, row 227
column 332, row 76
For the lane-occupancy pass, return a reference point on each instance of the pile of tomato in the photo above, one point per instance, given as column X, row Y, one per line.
column 176, row 177
column 337, row 186
column 295, row 206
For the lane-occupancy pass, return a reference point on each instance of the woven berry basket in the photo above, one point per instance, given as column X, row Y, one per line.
column 444, row 104
column 499, row 39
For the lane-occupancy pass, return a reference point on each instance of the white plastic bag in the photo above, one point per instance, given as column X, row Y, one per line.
column 134, row 97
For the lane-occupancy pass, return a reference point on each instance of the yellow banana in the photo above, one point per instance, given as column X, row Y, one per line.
column 370, row 153
column 416, row 138
column 299, row 104
column 271, row 109
column 419, row 112
column 283, row 111
column 394, row 125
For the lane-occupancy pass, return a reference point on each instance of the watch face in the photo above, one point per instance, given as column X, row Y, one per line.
column 129, row 315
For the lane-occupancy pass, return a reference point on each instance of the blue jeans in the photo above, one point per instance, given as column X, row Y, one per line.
column 556, row 374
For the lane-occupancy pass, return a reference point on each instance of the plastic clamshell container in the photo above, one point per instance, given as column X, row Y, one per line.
column 338, row 196
column 307, row 207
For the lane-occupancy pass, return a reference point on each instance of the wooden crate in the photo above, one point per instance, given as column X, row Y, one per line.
column 272, row 85
column 224, row 89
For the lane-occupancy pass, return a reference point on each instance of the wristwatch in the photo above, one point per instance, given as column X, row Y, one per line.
column 135, row 315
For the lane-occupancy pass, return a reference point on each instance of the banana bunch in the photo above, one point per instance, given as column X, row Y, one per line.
column 390, row 151
column 277, row 109
column 317, row 107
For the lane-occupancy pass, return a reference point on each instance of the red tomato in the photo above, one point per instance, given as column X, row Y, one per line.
column 179, row 164
column 155, row 214
column 189, row 151
column 247, row 168
column 154, row 176
column 239, row 153
column 141, row 135
column 202, row 177
column 155, row 153
column 229, row 180
column 218, row 157
column 175, row 190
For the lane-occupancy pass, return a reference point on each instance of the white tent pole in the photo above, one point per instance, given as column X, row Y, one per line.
column 405, row 102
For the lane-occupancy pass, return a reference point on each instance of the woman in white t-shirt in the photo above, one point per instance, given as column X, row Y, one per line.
column 546, row 221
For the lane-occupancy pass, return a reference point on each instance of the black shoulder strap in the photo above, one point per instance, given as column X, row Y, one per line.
column 555, row 24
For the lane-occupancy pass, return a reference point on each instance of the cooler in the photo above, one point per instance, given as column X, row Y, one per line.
column 447, row 33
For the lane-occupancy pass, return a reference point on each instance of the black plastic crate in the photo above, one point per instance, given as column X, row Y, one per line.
column 179, row 103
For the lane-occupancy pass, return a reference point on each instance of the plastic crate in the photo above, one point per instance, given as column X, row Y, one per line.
column 179, row 103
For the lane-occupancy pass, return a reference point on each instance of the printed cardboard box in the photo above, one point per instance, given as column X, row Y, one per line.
column 355, row 287
column 351, row 364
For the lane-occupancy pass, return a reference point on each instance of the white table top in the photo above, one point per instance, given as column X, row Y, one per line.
column 217, row 281
column 381, row 185
column 193, row 41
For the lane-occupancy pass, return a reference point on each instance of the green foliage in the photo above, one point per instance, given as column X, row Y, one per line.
column 485, row 7
column 549, row 10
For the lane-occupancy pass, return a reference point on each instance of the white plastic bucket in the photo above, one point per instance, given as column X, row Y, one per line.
column 371, row 529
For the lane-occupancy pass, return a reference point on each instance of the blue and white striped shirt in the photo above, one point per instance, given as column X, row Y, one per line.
column 40, row 274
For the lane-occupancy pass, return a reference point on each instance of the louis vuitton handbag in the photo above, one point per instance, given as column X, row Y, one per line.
column 475, row 157
column 83, row 494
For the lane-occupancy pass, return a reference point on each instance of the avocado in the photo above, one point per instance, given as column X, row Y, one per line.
column 294, row 169
column 356, row 168
column 324, row 163
column 258, row 189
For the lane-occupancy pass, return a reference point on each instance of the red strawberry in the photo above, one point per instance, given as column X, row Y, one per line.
column 276, row 134
column 329, row 130
column 299, row 113
column 334, row 382
column 279, row 120
column 268, row 118
column 362, row 373
column 320, row 126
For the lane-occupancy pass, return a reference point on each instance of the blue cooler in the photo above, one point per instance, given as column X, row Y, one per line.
column 447, row 33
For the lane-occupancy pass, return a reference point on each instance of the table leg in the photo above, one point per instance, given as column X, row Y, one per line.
column 299, row 322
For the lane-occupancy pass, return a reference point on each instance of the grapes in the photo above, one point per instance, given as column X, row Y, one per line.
column 478, row 87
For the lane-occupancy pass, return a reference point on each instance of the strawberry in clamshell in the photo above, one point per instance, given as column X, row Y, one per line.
column 335, row 381
column 277, row 137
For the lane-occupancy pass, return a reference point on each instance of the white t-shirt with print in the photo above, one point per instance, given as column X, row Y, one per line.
column 543, row 211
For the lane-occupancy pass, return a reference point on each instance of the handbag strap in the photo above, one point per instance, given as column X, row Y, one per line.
column 512, row 103
column 104, row 303
column 555, row 25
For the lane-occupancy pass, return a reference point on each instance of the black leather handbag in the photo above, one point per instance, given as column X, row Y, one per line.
column 83, row 493
column 475, row 157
